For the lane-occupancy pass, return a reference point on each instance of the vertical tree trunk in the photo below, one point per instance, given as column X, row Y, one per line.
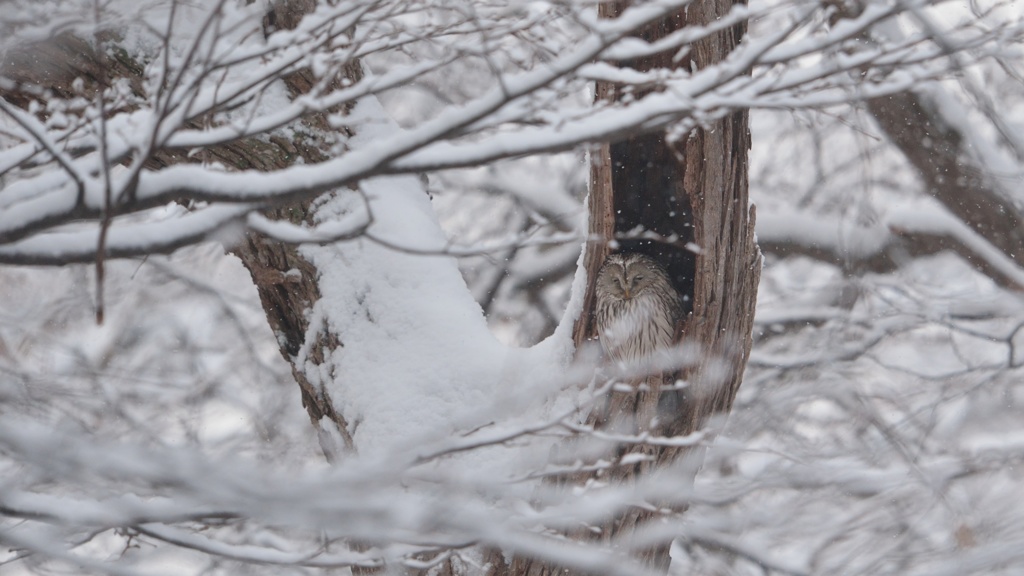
column 695, row 188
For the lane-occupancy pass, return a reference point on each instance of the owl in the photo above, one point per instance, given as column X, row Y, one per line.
column 637, row 308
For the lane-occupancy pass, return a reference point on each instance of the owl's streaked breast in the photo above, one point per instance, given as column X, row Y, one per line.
column 637, row 307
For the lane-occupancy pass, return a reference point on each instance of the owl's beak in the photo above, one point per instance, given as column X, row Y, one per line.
column 626, row 294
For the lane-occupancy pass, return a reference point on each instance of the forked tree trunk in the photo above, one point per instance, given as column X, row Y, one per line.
column 695, row 188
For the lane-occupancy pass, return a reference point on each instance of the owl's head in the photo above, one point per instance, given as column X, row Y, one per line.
column 628, row 275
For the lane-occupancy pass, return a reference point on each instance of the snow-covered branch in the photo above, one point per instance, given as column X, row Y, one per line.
column 221, row 89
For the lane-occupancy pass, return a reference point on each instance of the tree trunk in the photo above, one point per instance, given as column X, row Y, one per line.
column 938, row 146
column 935, row 148
column 691, row 190
column 696, row 188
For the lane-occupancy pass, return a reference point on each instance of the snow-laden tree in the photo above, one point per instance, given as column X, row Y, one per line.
column 133, row 130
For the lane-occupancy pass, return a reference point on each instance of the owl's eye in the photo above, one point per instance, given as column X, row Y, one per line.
column 638, row 277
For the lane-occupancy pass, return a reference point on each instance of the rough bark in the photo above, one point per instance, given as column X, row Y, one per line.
column 287, row 297
column 690, row 190
column 601, row 228
column 695, row 190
